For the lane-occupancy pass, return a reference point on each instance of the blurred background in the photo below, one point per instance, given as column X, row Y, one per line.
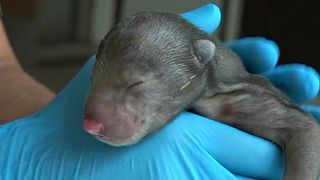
column 53, row 39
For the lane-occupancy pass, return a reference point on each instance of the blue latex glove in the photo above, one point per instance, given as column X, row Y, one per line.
column 51, row 144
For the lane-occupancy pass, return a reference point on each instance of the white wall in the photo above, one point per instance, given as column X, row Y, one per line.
column 54, row 21
column 172, row 6
column 102, row 19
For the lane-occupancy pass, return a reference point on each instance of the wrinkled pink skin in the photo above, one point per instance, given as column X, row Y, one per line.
column 108, row 126
column 96, row 122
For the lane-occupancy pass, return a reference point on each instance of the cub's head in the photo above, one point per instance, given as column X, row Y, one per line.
column 148, row 69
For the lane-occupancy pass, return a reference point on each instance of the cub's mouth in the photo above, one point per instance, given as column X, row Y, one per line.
column 123, row 141
column 129, row 139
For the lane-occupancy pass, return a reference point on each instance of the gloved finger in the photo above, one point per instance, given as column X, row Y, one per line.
column 257, row 54
column 239, row 152
column 299, row 82
column 206, row 18
column 312, row 110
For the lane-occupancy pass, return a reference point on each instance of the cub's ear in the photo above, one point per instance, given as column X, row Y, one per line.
column 204, row 50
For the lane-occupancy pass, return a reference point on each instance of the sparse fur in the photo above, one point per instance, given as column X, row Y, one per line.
column 148, row 67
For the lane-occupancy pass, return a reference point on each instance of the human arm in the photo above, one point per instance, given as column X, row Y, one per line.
column 20, row 94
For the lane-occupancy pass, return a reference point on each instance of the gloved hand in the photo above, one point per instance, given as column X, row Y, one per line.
column 51, row 144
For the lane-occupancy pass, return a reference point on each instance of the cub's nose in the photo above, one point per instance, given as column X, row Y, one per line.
column 92, row 126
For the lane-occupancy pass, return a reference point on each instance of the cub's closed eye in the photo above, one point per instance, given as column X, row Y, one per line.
column 135, row 84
